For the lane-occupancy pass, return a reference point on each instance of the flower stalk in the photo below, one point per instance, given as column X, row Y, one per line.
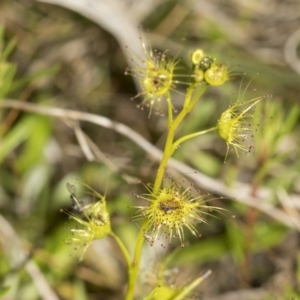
column 189, row 103
column 177, row 143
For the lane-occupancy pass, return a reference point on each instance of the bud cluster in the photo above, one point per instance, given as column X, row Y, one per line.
column 205, row 68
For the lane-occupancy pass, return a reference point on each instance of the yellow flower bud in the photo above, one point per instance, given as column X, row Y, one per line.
column 198, row 75
column 234, row 125
column 196, row 56
column 93, row 219
column 216, row 75
column 200, row 60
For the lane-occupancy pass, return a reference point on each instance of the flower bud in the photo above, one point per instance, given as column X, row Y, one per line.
column 234, row 125
column 196, row 56
column 94, row 221
column 198, row 75
column 216, row 74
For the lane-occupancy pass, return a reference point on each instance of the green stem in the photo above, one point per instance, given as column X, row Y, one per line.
column 189, row 136
column 170, row 111
column 134, row 267
column 123, row 249
column 192, row 286
column 189, row 103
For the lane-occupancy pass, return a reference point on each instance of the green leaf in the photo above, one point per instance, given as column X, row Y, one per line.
column 268, row 235
column 4, row 290
column 236, row 240
column 79, row 291
column 7, row 50
column 38, row 75
column 292, row 118
column 16, row 136
column 7, row 73
column 34, row 147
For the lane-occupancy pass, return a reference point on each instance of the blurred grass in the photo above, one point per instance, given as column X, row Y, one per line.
column 50, row 54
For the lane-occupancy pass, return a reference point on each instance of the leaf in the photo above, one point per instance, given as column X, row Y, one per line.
column 7, row 50
column 4, row 290
column 33, row 151
column 7, row 73
column 38, row 75
column 16, row 136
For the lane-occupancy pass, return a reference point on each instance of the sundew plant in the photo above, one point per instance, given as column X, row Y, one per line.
column 170, row 210
column 167, row 211
column 144, row 166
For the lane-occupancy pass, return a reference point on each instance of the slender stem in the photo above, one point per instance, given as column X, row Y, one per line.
column 134, row 266
column 170, row 111
column 189, row 136
column 123, row 249
column 188, row 95
column 189, row 103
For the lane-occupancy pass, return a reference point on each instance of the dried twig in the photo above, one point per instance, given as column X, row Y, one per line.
column 92, row 153
column 82, row 141
column 290, row 51
column 112, row 15
column 241, row 193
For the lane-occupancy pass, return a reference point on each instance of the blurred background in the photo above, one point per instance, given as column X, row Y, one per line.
column 72, row 55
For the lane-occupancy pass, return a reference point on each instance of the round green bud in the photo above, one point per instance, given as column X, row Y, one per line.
column 196, row 56
column 198, row 75
column 216, row 75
